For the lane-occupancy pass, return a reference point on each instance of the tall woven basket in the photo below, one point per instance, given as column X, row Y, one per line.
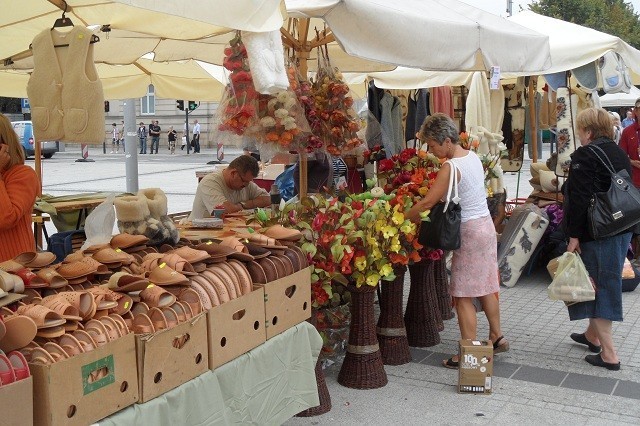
column 422, row 317
column 392, row 334
column 323, row 395
column 442, row 288
column 362, row 367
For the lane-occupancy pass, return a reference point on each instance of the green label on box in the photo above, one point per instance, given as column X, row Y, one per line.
column 98, row 374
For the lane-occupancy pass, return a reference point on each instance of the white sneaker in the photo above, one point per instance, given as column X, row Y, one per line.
column 111, row 152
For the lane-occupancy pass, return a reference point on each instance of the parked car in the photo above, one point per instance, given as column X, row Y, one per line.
column 24, row 129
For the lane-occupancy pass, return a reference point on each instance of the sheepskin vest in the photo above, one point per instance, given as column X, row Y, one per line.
column 64, row 90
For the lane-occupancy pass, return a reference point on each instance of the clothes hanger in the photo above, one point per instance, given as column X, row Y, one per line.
column 64, row 21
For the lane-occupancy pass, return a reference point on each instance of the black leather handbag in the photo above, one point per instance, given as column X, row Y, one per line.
column 442, row 230
column 617, row 209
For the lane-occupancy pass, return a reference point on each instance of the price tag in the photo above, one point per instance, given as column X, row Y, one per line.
column 494, row 81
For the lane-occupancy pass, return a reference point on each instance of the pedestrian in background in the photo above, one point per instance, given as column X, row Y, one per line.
column 171, row 136
column 19, row 187
column 122, row 135
column 196, row 137
column 154, row 132
column 630, row 144
column 629, row 120
column 115, row 140
column 617, row 126
column 184, row 136
column 603, row 258
column 142, row 135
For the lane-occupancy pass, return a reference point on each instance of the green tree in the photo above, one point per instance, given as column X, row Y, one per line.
column 615, row 17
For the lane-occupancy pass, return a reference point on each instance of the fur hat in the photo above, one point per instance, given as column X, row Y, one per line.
column 131, row 208
column 156, row 201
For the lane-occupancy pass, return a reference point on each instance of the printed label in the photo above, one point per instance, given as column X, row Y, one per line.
column 98, row 374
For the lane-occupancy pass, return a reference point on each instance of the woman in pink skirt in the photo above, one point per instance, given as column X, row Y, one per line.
column 474, row 269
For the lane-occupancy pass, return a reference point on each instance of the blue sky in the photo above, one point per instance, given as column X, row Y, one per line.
column 499, row 7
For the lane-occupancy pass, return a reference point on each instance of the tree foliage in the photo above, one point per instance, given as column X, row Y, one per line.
column 615, row 17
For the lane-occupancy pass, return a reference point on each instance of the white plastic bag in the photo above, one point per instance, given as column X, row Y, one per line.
column 98, row 226
column 571, row 282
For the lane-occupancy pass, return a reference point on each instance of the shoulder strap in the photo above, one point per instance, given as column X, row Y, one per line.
column 608, row 165
column 453, row 184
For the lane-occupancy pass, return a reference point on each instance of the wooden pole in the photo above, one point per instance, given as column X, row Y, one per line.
column 38, row 162
column 532, row 119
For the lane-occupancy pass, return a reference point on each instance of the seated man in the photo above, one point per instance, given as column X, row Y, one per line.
column 232, row 188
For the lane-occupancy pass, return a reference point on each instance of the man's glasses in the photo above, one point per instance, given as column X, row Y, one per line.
column 245, row 182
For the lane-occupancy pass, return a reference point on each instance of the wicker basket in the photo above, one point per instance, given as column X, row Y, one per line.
column 392, row 334
column 442, row 289
column 362, row 367
column 323, row 395
column 422, row 317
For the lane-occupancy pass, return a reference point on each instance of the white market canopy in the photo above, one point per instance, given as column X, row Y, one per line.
column 142, row 23
column 573, row 45
column 438, row 35
column 620, row 99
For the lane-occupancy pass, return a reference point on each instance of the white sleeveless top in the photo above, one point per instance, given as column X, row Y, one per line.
column 471, row 190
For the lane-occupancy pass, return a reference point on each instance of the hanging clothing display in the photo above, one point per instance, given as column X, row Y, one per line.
column 65, row 92
column 373, row 132
column 567, row 108
column 391, row 124
column 441, row 100
column 548, row 109
column 532, row 127
column 497, row 109
column 478, row 115
column 418, row 110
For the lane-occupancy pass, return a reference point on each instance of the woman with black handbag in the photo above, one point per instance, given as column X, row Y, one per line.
column 604, row 257
column 474, row 268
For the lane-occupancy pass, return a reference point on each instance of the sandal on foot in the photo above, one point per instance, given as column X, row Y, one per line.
column 500, row 347
column 450, row 363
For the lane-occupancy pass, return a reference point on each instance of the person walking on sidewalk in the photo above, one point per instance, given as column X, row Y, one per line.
column 154, row 132
column 115, row 140
column 142, row 135
column 121, row 135
column 474, row 268
column 603, row 258
column 196, row 137
column 171, row 136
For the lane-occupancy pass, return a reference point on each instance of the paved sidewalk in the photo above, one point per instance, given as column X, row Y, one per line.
column 543, row 379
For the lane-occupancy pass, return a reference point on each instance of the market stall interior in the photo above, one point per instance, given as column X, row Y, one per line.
column 142, row 315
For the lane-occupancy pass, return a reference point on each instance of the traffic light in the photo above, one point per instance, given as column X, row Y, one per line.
column 180, row 105
column 106, row 106
column 193, row 105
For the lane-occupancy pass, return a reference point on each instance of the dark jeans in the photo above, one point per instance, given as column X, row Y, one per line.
column 155, row 141
column 143, row 145
column 604, row 260
column 196, row 143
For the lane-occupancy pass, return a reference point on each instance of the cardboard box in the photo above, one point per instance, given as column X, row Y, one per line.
column 171, row 357
column 236, row 327
column 287, row 302
column 476, row 366
column 64, row 393
column 16, row 399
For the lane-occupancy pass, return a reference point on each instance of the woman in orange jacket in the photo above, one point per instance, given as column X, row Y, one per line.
column 19, row 187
